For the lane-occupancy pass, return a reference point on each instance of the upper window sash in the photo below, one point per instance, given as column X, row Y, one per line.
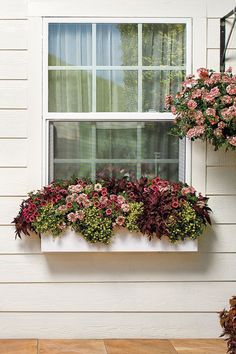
column 109, row 115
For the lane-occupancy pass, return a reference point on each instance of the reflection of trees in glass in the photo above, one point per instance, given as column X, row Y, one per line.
column 163, row 44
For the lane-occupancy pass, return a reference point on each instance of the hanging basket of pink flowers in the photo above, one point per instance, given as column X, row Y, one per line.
column 205, row 108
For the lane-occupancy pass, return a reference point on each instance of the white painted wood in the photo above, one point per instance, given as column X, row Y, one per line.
column 213, row 33
column 13, row 34
column 36, row 144
column 14, row 9
column 123, row 241
column 13, row 181
column 13, row 94
column 13, row 152
column 10, row 245
column 117, row 267
column 103, row 8
column 199, row 43
column 218, row 238
column 109, row 325
column 199, row 166
column 213, row 59
column 220, row 157
column 13, row 123
column 219, row 8
column 230, row 59
column 221, row 180
column 224, row 209
column 75, row 297
column 9, row 207
column 13, row 64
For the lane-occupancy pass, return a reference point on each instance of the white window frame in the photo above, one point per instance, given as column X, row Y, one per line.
column 109, row 116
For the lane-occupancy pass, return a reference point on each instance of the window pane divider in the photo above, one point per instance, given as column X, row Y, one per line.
column 118, row 67
column 94, row 160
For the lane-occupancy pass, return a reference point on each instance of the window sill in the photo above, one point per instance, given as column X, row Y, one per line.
column 123, row 241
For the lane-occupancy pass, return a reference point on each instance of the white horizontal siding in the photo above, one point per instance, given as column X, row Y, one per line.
column 224, row 209
column 218, row 238
column 13, row 34
column 14, row 9
column 9, row 207
column 213, row 59
column 13, row 152
column 221, row 180
column 111, row 297
column 13, row 94
column 13, row 123
column 117, row 267
column 103, row 8
column 219, row 8
column 213, row 38
column 109, row 325
column 10, row 245
column 220, row 157
column 13, row 64
column 13, row 181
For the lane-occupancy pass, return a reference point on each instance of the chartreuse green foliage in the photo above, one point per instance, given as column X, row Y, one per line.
column 155, row 208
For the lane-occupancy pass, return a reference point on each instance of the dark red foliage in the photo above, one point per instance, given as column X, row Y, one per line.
column 228, row 323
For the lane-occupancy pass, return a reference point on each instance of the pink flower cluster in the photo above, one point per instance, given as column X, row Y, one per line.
column 205, row 108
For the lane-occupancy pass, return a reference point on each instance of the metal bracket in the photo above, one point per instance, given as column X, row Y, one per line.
column 223, row 43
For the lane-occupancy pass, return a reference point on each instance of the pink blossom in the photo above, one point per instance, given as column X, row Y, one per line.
column 120, row 199
column 226, row 99
column 218, row 132
column 77, row 188
column 231, row 89
column 168, row 101
column 173, row 110
column 80, row 214
column 221, row 125
column 192, row 104
column 120, row 220
column 232, row 140
column 62, row 208
column 211, row 112
column 98, row 187
column 203, row 73
column 72, row 217
column 125, row 207
column 108, row 212
column 195, row 132
column 69, row 205
column 104, row 191
column 113, row 197
column 196, row 93
column 215, row 92
column 188, row 190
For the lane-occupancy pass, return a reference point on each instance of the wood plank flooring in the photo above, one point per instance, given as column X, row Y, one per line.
column 113, row 346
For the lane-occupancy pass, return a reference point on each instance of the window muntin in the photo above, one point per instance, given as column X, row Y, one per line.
column 115, row 83
column 112, row 64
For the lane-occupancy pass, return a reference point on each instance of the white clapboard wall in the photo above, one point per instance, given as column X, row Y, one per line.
column 106, row 295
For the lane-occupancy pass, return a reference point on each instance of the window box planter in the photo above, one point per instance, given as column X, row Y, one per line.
column 123, row 241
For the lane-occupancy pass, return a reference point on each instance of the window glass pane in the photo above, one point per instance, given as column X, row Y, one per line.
column 164, row 44
column 158, row 84
column 117, row 44
column 157, row 143
column 166, row 171
column 117, row 91
column 116, row 140
column 69, row 91
column 66, row 170
column 133, row 149
column 72, row 140
column 70, row 44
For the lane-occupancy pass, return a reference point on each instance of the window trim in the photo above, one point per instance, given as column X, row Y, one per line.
column 107, row 116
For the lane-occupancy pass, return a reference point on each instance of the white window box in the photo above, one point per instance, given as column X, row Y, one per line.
column 123, row 241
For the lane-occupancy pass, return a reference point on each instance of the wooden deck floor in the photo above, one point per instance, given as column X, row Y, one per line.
column 175, row 346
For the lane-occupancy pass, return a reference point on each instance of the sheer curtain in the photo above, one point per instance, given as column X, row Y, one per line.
column 125, row 79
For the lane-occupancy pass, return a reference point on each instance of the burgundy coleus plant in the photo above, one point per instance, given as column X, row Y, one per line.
column 154, row 207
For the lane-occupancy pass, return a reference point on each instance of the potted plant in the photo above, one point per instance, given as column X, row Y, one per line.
column 205, row 108
column 228, row 323
column 155, row 208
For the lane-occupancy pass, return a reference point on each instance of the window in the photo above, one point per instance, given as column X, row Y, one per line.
column 105, row 85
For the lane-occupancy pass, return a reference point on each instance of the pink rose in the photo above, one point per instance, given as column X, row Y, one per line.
column 192, row 104
column 108, row 212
